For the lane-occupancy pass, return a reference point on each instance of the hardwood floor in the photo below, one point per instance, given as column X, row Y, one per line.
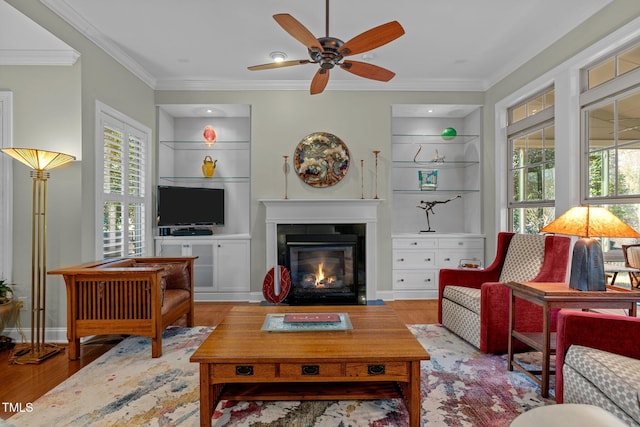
column 22, row 384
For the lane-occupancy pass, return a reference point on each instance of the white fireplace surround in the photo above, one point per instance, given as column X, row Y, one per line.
column 325, row 211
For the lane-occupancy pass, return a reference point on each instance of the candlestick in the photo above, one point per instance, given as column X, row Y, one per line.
column 285, row 171
column 362, row 179
column 376, row 153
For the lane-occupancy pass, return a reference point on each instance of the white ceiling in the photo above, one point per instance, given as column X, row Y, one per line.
column 208, row 44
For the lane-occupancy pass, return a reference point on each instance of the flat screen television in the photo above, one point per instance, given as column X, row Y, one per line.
column 190, row 206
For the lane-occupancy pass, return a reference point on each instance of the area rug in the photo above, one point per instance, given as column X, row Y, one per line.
column 125, row 386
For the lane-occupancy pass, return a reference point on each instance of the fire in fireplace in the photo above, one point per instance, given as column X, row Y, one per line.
column 323, row 268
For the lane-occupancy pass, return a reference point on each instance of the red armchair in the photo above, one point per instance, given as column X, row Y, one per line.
column 608, row 332
column 492, row 309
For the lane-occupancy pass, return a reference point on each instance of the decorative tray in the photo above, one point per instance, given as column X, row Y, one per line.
column 297, row 322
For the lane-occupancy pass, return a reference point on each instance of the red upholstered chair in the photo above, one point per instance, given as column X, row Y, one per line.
column 474, row 304
column 590, row 367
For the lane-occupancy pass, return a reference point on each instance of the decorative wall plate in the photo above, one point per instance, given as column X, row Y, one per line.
column 321, row 159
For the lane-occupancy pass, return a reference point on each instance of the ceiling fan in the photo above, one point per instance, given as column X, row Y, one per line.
column 329, row 52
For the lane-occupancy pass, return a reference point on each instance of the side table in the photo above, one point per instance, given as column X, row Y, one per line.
column 552, row 295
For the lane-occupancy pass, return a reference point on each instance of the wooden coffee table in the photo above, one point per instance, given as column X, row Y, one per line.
column 379, row 358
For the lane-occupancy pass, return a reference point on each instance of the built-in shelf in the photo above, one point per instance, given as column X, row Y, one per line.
column 201, row 145
column 438, row 190
column 431, row 139
column 436, row 197
column 434, row 165
column 205, row 179
column 182, row 152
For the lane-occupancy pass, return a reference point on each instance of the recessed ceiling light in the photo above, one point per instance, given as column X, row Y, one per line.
column 210, row 112
column 278, row 56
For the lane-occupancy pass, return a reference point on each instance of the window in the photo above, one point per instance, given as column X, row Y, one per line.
column 124, row 203
column 613, row 67
column 613, row 140
column 610, row 108
column 531, row 142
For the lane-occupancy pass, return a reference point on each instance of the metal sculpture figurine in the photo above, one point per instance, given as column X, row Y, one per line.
column 428, row 207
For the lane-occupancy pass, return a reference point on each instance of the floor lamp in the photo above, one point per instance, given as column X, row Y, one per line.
column 40, row 161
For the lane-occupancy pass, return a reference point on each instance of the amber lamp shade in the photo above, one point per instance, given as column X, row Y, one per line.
column 587, row 264
column 40, row 160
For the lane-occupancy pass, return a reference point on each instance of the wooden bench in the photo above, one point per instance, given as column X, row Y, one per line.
column 137, row 296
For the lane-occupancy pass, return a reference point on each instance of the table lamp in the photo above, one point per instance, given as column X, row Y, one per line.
column 40, row 161
column 587, row 265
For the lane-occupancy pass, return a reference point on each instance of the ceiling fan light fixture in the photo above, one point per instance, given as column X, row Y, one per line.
column 278, row 56
column 329, row 52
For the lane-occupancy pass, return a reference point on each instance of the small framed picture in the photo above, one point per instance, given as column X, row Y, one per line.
column 428, row 179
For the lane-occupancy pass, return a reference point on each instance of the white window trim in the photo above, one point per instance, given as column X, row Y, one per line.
column 566, row 80
column 101, row 109
column 6, row 188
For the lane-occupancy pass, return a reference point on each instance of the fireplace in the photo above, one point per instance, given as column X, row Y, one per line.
column 324, row 268
column 357, row 217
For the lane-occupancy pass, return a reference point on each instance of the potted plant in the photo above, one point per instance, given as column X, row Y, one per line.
column 6, row 293
column 6, row 309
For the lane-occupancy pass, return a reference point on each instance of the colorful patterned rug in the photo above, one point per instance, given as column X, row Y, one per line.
column 125, row 386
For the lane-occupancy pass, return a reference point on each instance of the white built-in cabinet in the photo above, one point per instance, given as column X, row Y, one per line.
column 222, row 270
column 453, row 234
column 418, row 259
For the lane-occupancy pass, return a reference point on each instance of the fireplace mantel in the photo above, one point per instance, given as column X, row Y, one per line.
column 325, row 211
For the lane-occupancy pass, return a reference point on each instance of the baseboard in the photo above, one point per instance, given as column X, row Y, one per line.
column 416, row 294
column 257, row 297
column 51, row 335
column 222, row 296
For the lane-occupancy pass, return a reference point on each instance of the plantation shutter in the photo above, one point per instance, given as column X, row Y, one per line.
column 123, row 201
column 136, row 185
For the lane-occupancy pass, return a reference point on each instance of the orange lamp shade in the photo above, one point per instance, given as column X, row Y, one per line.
column 587, row 221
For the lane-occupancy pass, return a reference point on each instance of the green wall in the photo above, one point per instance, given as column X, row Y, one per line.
column 279, row 120
column 54, row 102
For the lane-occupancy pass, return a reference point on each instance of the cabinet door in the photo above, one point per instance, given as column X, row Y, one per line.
column 169, row 249
column 232, row 265
column 203, row 266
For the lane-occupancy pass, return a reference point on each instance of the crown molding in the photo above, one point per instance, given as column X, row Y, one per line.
column 73, row 18
column 364, row 85
column 38, row 57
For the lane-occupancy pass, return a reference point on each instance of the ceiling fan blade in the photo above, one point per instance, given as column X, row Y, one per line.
column 319, row 81
column 271, row 65
column 373, row 38
column 292, row 26
column 368, row 71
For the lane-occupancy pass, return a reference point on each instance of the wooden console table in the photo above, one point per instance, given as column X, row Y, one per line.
column 551, row 296
column 378, row 359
